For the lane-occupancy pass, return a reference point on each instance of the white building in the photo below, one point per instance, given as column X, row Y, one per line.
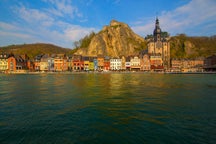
column 135, row 63
column 115, row 64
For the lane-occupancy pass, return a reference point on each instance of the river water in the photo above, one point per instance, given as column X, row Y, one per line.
column 108, row 108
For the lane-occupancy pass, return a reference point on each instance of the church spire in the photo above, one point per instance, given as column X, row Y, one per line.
column 157, row 31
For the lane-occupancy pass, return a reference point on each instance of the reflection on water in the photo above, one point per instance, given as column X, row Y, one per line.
column 107, row 108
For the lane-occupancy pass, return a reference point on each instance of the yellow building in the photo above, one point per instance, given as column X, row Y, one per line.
column 91, row 65
column 86, row 65
column 3, row 62
column 44, row 63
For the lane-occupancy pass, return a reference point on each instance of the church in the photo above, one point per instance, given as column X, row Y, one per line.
column 159, row 49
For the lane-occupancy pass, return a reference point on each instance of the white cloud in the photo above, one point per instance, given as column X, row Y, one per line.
column 15, row 33
column 44, row 25
column 34, row 16
column 75, row 32
column 62, row 8
column 187, row 18
column 6, row 26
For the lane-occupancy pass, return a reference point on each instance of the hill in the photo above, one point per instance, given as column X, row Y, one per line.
column 182, row 46
column 114, row 40
column 118, row 39
column 34, row 49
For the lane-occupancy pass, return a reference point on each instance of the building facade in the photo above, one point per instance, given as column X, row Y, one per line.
column 135, row 63
column 44, row 63
column 106, row 63
column 3, row 62
column 159, row 46
column 210, row 63
column 145, row 63
column 100, row 60
column 115, row 64
column 11, row 64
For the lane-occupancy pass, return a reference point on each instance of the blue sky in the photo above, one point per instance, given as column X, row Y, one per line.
column 61, row 22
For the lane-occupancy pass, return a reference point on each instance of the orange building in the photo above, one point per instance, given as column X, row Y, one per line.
column 58, row 64
column 37, row 65
column 65, row 64
column 100, row 60
column 30, row 65
column 11, row 63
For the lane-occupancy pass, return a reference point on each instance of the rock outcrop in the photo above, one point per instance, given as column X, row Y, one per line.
column 114, row 40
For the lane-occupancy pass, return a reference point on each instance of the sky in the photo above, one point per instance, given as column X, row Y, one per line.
column 62, row 22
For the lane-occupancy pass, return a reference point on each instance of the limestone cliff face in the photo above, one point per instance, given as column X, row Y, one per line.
column 114, row 40
column 190, row 48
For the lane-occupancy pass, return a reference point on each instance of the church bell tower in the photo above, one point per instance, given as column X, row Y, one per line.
column 159, row 47
column 157, row 31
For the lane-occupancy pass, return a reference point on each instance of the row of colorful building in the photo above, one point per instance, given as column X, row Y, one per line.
column 61, row 62
column 155, row 58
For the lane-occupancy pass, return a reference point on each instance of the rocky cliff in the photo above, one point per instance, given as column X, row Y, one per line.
column 114, row 40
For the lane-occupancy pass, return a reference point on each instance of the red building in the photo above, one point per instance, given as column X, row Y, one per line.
column 76, row 62
column 156, row 63
column 11, row 64
column 106, row 63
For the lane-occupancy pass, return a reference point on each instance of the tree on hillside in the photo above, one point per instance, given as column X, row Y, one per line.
column 150, row 36
column 165, row 34
column 84, row 42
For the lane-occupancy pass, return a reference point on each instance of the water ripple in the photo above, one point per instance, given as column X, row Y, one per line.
column 107, row 108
